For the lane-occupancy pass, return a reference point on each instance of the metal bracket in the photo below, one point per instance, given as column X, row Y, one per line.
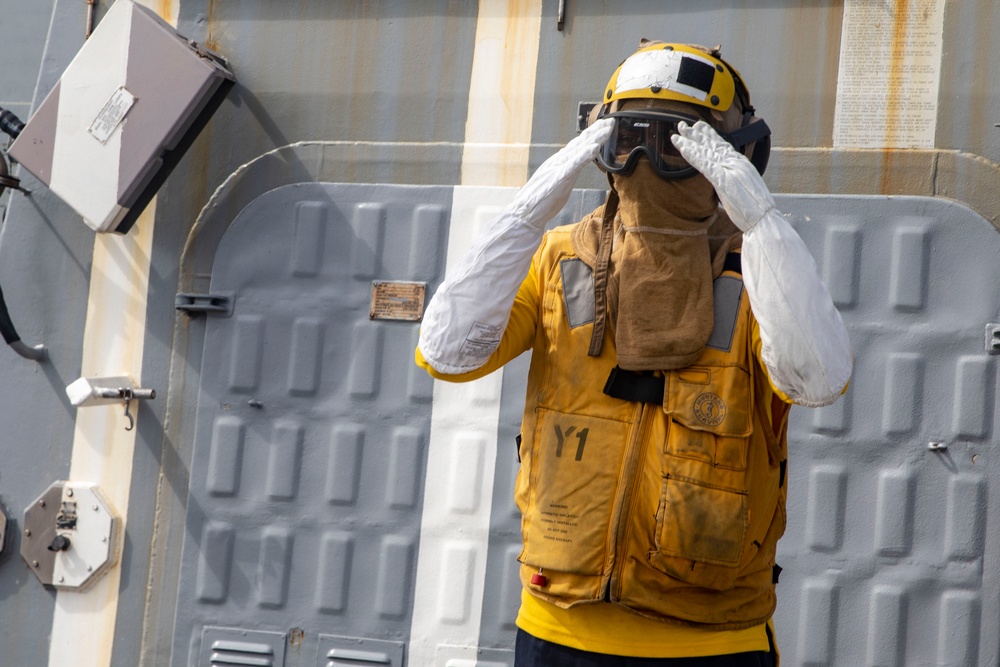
column 86, row 392
column 208, row 54
column 197, row 304
column 993, row 338
column 69, row 536
column 583, row 110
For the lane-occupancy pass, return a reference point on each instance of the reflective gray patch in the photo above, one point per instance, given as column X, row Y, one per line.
column 728, row 293
column 578, row 292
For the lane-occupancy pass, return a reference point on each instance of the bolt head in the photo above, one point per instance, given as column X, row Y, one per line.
column 27, row 532
column 34, row 563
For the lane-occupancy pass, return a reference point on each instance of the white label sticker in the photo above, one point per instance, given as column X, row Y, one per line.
column 890, row 71
column 112, row 115
column 482, row 340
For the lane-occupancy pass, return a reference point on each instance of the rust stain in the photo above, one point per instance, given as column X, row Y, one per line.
column 165, row 8
column 894, row 100
column 200, row 153
column 356, row 48
column 211, row 40
column 517, row 86
column 296, row 637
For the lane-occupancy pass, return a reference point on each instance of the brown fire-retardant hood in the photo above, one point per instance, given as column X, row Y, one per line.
column 670, row 240
column 664, row 242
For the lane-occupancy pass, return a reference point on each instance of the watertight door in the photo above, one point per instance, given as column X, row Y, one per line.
column 307, row 476
column 891, row 551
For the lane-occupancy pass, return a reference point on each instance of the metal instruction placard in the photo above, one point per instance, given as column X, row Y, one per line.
column 397, row 300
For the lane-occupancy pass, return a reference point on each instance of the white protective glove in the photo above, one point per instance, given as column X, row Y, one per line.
column 805, row 345
column 466, row 318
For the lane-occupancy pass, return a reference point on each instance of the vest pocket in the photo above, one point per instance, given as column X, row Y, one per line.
column 575, row 463
column 710, row 408
column 701, row 533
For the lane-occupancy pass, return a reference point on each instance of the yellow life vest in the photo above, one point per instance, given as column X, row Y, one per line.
column 671, row 509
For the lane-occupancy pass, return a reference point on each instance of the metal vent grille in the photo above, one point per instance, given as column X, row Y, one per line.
column 345, row 658
column 359, row 652
column 251, row 654
column 233, row 647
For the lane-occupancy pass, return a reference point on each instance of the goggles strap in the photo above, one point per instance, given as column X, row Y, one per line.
column 748, row 134
column 601, row 273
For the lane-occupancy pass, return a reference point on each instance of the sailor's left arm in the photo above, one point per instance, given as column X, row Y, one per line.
column 804, row 343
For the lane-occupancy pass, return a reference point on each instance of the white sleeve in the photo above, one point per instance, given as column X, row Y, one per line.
column 804, row 343
column 466, row 318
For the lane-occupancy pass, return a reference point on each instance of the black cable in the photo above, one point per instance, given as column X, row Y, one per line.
column 7, row 329
column 10, row 124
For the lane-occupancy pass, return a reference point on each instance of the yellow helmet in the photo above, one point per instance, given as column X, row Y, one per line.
column 695, row 75
column 679, row 72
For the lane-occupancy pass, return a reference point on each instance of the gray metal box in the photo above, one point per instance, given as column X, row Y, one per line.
column 121, row 116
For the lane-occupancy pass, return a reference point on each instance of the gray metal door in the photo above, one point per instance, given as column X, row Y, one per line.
column 306, row 481
column 891, row 550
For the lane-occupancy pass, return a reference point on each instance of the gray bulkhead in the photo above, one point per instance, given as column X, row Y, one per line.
column 285, row 484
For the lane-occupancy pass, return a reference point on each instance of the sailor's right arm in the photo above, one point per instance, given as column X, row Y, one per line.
column 517, row 337
column 465, row 321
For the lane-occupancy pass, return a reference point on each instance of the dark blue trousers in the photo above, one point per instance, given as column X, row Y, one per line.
column 530, row 651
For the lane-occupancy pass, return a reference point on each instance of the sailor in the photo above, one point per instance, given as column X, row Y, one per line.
column 670, row 332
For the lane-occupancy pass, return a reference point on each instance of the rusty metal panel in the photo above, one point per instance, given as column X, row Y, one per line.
column 794, row 93
column 351, row 72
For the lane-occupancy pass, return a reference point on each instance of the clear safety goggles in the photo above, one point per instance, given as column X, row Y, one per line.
column 646, row 133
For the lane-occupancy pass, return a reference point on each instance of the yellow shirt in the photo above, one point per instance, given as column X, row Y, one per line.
column 605, row 628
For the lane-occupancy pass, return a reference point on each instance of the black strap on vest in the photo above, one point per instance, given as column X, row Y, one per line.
column 733, row 263
column 635, row 386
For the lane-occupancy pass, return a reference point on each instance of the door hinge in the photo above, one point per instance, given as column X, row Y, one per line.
column 194, row 304
column 993, row 338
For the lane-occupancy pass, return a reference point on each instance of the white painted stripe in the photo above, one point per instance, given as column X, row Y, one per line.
column 83, row 623
column 114, row 336
column 455, row 526
column 889, row 76
column 502, row 93
column 84, row 170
